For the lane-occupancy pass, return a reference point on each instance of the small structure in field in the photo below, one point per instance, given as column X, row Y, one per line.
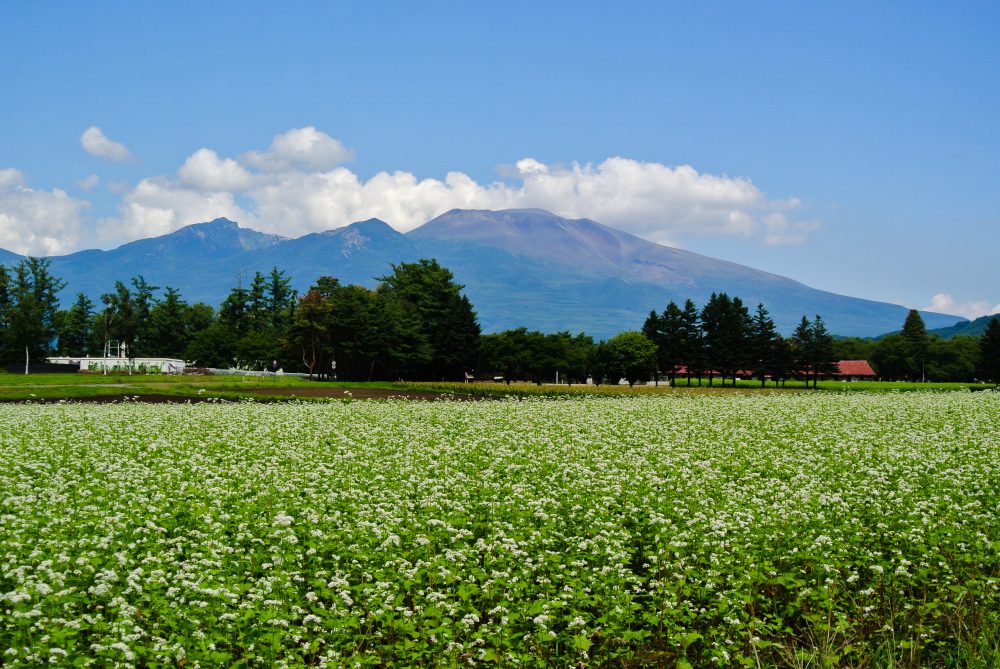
column 119, row 364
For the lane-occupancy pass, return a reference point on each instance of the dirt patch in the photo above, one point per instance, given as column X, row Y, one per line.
column 260, row 395
column 357, row 393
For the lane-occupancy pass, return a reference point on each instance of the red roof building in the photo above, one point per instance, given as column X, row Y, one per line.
column 854, row 370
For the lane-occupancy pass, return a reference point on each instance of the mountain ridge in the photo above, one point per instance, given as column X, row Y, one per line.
column 520, row 267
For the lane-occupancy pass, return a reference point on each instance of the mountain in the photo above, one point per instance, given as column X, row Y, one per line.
column 974, row 328
column 581, row 275
column 520, row 267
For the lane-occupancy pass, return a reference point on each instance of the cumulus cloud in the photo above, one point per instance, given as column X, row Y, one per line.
column 299, row 148
column 96, row 143
column 946, row 304
column 159, row 205
column 37, row 222
column 299, row 186
column 204, row 170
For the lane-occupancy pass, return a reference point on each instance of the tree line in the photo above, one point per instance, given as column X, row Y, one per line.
column 913, row 354
column 416, row 324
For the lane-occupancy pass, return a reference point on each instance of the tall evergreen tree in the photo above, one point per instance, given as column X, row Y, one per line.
column 169, row 332
column 725, row 322
column 802, row 348
column 281, row 298
column 822, row 354
column 672, row 345
column 916, row 343
column 691, row 345
column 763, row 340
column 989, row 352
column 713, row 316
column 75, row 327
column 653, row 329
column 445, row 316
column 142, row 304
column 31, row 306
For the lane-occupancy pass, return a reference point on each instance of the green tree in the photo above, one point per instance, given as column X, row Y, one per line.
column 889, row 357
column 989, row 352
column 802, row 348
column 725, row 323
column 602, row 367
column 75, row 327
column 813, row 349
column 402, row 347
column 121, row 325
column 309, row 329
column 822, row 354
column 631, row 356
column 280, row 298
column 691, row 344
column 854, row 348
column 784, row 360
column 29, row 304
column 169, row 334
column 653, row 329
column 213, row 346
column 763, row 340
column 142, row 304
column 916, row 345
column 573, row 355
column 506, row 353
column 444, row 314
column 952, row 359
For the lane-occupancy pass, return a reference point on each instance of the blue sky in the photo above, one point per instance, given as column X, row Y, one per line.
column 852, row 146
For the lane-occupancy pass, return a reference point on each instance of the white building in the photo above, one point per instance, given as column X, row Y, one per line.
column 119, row 364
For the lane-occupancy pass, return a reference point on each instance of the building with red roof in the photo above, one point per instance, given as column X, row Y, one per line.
column 854, row 370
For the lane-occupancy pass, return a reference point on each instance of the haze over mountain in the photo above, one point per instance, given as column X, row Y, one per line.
column 520, row 267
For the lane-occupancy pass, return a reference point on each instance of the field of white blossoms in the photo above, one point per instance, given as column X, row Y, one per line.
column 699, row 530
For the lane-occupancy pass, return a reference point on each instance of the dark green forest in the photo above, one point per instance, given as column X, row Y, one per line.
column 417, row 325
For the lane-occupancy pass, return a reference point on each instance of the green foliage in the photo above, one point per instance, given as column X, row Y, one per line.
column 631, row 356
column 989, row 351
column 75, row 328
column 915, row 346
column 725, row 324
column 29, row 311
column 530, row 355
column 428, row 293
column 813, row 349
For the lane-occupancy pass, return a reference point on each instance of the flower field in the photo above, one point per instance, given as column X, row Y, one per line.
column 767, row 529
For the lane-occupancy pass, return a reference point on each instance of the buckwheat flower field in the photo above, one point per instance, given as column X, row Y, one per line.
column 687, row 530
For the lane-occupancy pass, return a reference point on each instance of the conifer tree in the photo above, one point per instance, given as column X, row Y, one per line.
column 989, row 352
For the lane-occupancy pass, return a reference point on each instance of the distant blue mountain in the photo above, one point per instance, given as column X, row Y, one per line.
column 974, row 328
column 521, row 267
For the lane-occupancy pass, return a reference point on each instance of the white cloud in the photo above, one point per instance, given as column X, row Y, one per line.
column 88, row 183
column 297, row 187
column 96, row 143
column 299, row 148
column 946, row 304
column 37, row 222
column 160, row 205
column 204, row 170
